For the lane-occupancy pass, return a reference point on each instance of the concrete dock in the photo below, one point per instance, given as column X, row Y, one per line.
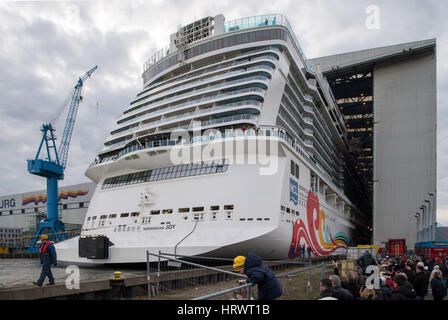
column 17, row 275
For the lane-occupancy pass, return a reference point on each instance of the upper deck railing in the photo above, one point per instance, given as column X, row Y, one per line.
column 275, row 19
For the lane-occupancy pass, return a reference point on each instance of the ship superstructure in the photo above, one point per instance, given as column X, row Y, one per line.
column 234, row 144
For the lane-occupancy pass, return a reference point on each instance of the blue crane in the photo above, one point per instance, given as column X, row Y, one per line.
column 55, row 163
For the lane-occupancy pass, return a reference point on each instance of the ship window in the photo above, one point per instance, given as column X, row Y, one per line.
column 228, row 207
column 297, row 171
column 198, row 209
column 94, row 218
column 267, row 219
column 88, row 219
column 282, row 208
column 167, row 211
column 184, row 210
column 292, row 167
column 214, row 208
column 112, row 216
column 103, row 216
column 288, row 210
column 167, row 173
column 135, row 214
column 155, row 211
column 124, row 215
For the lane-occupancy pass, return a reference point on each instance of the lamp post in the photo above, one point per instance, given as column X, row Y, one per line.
column 434, row 216
column 425, row 222
column 417, row 215
column 429, row 220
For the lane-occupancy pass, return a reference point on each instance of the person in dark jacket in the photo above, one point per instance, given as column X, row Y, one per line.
column 257, row 273
column 421, row 283
column 326, row 289
column 410, row 274
column 351, row 283
column 438, row 286
column 339, row 292
column 47, row 258
column 443, row 266
column 403, row 289
column 365, row 260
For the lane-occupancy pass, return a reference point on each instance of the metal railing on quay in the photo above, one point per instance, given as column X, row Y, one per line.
column 288, row 289
column 171, row 276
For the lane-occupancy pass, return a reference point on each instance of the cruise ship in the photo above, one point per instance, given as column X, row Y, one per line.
column 234, row 144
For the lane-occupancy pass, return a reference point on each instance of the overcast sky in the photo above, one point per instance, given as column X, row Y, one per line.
column 46, row 45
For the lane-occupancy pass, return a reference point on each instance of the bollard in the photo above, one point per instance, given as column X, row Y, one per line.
column 117, row 285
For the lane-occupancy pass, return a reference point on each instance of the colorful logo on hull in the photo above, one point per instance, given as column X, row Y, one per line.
column 315, row 234
column 293, row 191
column 63, row 195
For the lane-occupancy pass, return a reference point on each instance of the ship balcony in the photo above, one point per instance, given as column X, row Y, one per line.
column 190, row 115
column 204, row 100
column 308, row 109
column 203, row 78
column 227, row 84
column 150, row 100
column 205, row 73
column 308, row 120
column 309, row 132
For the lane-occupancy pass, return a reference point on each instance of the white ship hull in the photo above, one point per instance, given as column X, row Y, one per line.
column 252, row 214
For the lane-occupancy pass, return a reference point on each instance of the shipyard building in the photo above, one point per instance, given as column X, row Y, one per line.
column 21, row 213
column 388, row 98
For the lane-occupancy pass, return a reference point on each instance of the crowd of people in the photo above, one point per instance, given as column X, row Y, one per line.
column 396, row 278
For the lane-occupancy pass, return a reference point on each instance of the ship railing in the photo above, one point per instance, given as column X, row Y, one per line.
column 219, row 77
column 135, row 109
column 228, row 134
column 175, row 107
column 222, row 77
column 237, row 62
column 267, row 20
column 269, row 131
column 156, row 57
column 190, row 103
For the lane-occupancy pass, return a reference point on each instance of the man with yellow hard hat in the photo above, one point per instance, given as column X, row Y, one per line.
column 257, row 273
column 47, row 258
